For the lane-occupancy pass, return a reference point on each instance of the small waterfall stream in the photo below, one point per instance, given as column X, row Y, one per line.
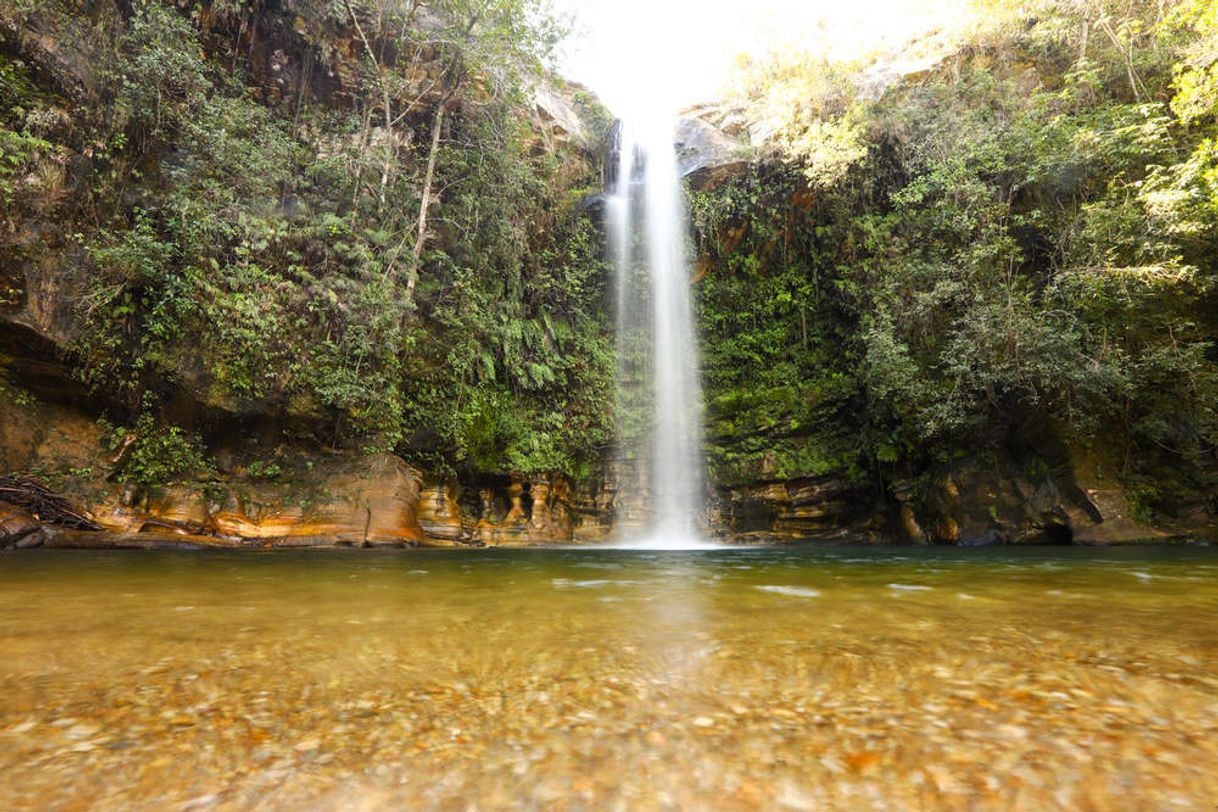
column 659, row 393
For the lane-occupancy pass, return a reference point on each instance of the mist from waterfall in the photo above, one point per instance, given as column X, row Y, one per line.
column 661, row 492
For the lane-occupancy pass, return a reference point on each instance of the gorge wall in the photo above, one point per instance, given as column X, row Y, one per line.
column 966, row 296
column 922, row 319
column 265, row 264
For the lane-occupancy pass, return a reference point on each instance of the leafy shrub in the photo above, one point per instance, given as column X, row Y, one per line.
column 161, row 454
column 264, row 469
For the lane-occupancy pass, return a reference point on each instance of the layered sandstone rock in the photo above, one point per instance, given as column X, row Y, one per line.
column 514, row 511
column 823, row 509
column 361, row 501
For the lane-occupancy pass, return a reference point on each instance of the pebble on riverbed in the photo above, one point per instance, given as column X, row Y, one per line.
column 446, row 696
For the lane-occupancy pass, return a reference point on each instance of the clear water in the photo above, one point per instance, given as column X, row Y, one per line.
column 850, row 678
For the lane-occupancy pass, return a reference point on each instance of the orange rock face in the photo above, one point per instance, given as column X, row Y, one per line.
column 15, row 523
column 376, row 501
column 317, row 500
column 513, row 512
column 366, row 500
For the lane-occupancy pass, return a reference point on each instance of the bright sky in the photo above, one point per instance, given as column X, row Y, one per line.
column 639, row 54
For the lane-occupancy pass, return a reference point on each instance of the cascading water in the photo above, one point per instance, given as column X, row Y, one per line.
column 662, row 493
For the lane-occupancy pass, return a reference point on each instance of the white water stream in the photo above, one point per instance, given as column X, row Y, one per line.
column 660, row 399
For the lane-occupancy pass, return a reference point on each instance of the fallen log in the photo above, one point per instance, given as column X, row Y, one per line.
column 44, row 504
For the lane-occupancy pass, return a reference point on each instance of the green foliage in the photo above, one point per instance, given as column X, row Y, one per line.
column 264, row 469
column 1196, row 82
column 18, row 152
column 779, row 386
column 1026, row 234
column 162, row 454
column 989, row 252
column 254, row 255
column 29, row 162
column 811, row 105
column 518, row 373
column 163, row 75
column 595, row 116
column 12, row 393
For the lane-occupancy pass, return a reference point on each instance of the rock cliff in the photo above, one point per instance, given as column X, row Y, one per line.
column 224, row 428
column 278, row 419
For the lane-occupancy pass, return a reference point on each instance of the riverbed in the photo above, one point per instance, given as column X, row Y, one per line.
column 845, row 678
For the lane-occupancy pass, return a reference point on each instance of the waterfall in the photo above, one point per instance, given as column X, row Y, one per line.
column 661, row 493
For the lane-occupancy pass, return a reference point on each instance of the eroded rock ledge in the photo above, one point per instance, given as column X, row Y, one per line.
column 350, row 502
column 333, row 499
column 380, row 502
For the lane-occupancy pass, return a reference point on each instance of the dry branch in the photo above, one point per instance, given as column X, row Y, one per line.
column 44, row 504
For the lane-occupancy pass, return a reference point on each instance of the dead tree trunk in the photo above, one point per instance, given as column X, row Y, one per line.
column 420, row 241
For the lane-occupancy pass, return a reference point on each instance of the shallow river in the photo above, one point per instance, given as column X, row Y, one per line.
column 851, row 678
